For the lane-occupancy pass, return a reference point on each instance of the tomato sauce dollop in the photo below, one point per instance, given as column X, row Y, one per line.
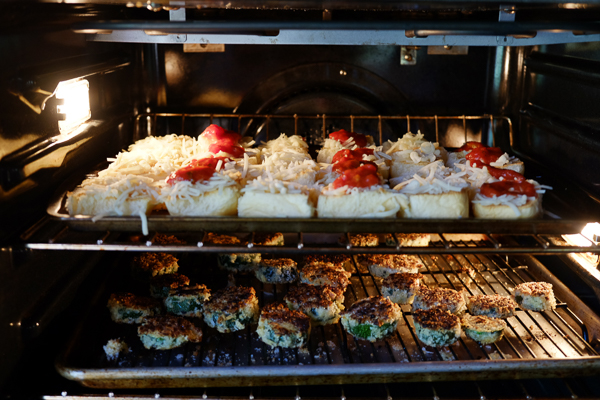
column 360, row 177
column 236, row 151
column 508, row 187
column 197, row 170
column 220, row 135
column 506, row 174
column 468, row 146
column 346, row 154
column 481, row 156
column 342, row 166
column 342, row 135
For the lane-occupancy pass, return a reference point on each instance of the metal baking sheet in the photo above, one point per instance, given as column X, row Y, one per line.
column 550, row 224
column 547, row 344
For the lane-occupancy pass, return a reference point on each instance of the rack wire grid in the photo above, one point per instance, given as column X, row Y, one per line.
column 48, row 235
column 315, row 126
column 530, row 336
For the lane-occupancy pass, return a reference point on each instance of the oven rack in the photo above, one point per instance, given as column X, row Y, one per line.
column 547, row 344
column 49, row 235
column 519, row 390
column 242, row 123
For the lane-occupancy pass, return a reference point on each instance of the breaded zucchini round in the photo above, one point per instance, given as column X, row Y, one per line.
column 242, row 262
column 325, row 274
column 482, row 329
column 401, row 288
column 408, row 239
column 269, row 239
column 280, row 326
column 167, row 332
column 148, row 265
column 319, row 274
column 338, row 260
column 318, row 302
column 363, row 239
column 535, row 296
column 277, row 270
column 231, row 309
column 187, row 301
column 491, row 305
column 127, row 308
column 161, row 285
column 384, row 265
column 115, row 347
column 446, row 299
column 372, row 318
column 436, row 327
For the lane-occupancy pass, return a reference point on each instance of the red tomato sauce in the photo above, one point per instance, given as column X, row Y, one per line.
column 470, row 146
column 506, row 174
column 342, row 166
column 360, row 177
column 235, row 151
column 197, row 170
column 346, row 154
column 508, row 187
column 221, row 136
column 481, row 156
column 342, row 135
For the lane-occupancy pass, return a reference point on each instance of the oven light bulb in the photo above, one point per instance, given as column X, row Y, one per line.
column 589, row 236
column 74, row 104
column 592, row 232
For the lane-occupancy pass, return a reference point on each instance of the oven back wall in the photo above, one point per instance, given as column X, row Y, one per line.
column 334, row 79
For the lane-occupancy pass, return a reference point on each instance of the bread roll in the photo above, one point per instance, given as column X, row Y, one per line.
column 275, row 205
column 531, row 209
column 443, row 205
column 218, row 202
column 364, row 204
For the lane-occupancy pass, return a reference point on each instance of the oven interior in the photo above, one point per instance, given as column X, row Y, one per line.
column 534, row 99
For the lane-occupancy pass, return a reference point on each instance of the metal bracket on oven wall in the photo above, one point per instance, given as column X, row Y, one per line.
column 507, row 14
column 177, row 14
column 408, row 55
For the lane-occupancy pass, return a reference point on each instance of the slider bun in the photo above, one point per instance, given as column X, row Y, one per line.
column 444, row 205
column 368, row 203
column 275, row 205
column 531, row 209
column 80, row 203
column 217, row 202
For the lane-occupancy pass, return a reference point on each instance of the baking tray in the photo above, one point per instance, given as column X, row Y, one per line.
column 548, row 344
column 551, row 223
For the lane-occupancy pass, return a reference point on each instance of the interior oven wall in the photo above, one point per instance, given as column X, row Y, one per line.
column 558, row 113
column 36, row 286
column 342, row 80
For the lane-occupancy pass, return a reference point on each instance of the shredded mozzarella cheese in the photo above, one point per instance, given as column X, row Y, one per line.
column 433, row 178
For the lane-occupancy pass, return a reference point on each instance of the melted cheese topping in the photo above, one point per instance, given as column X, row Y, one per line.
column 267, row 185
column 187, row 189
column 293, row 144
column 433, row 178
column 409, row 141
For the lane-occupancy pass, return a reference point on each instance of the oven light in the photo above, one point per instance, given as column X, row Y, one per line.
column 73, row 104
column 590, row 235
column 572, row 6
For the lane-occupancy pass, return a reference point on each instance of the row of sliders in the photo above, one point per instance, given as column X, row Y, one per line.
column 219, row 173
